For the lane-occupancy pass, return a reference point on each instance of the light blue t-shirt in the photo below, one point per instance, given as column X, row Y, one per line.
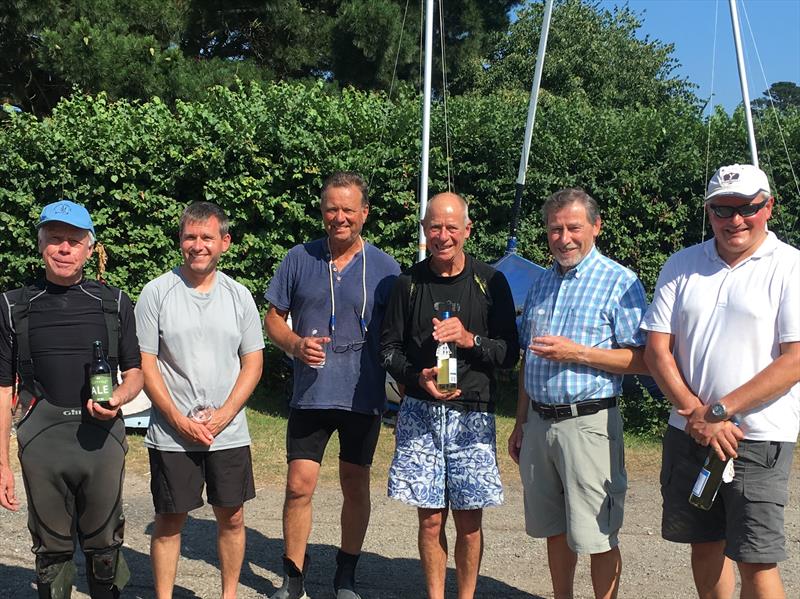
column 353, row 378
column 198, row 338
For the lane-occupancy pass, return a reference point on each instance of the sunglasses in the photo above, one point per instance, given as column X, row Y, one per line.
column 743, row 211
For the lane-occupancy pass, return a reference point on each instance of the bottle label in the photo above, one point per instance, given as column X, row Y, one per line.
column 700, row 483
column 453, row 371
column 102, row 387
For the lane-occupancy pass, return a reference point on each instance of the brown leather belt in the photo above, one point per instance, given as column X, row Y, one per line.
column 571, row 410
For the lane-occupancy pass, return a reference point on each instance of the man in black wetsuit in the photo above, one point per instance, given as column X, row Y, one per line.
column 71, row 449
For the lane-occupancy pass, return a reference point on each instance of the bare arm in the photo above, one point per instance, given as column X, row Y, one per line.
column 157, row 391
column 623, row 360
column 722, row 436
column 249, row 375
column 8, row 498
column 308, row 349
column 775, row 380
column 515, row 438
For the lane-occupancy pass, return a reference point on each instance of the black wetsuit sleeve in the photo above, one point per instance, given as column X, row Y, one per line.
column 501, row 348
column 129, row 356
column 6, row 344
column 393, row 332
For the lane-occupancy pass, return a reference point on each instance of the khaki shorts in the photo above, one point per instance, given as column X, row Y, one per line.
column 574, row 479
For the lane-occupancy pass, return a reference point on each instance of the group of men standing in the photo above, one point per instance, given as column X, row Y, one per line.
column 721, row 338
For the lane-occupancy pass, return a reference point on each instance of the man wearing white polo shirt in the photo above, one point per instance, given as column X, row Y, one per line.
column 724, row 341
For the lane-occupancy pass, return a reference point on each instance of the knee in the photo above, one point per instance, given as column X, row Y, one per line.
column 230, row 520
column 750, row 572
column 431, row 525
column 299, row 490
column 355, row 486
column 168, row 525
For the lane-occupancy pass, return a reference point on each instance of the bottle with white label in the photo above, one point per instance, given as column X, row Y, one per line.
column 446, row 361
column 100, row 377
column 711, row 476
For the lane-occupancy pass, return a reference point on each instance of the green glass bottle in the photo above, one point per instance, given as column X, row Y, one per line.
column 100, row 377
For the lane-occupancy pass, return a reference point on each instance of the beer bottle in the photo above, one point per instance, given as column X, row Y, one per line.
column 446, row 362
column 100, row 377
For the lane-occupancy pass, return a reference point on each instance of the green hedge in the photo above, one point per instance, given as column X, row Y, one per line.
column 262, row 153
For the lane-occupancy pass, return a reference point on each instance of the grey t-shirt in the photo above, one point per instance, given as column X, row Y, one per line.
column 198, row 338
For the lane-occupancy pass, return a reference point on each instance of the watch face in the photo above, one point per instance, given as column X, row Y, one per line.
column 718, row 410
column 477, row 340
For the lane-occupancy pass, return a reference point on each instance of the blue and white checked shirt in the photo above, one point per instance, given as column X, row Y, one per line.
column 599, row 303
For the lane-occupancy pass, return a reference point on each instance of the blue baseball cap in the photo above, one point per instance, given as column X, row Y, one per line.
column 68, row 212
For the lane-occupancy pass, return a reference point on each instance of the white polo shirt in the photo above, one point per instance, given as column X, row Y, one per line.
column 728, row 324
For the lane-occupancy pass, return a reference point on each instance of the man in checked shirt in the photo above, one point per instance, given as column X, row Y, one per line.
column 581, row 333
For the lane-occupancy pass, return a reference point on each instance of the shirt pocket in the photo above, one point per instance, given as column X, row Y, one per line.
column 589, row 326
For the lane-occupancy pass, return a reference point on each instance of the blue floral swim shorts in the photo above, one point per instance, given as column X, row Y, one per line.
column 444, row 456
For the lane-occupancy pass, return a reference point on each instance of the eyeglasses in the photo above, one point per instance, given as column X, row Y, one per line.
column 743, row 211
column 354, row 345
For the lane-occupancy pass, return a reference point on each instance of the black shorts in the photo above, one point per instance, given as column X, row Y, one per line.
column 747, row 513
column 309, row 431
column 177, row 479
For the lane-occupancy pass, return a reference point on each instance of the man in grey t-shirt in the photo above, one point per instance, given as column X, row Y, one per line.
column 201, row 345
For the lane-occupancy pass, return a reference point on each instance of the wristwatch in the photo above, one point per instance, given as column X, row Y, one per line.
column 719, row 411
column 477, row 340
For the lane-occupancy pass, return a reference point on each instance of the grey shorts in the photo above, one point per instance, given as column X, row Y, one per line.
column 573, row 475
column 747, row 513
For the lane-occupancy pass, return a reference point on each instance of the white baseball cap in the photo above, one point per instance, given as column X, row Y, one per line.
column 739, row 180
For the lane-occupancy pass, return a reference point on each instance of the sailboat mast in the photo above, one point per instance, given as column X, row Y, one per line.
column 526, row 146
column 426, row 125
column 751, row 136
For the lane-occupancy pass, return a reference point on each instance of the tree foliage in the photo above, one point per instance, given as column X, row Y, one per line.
column 592, row 52
column 178, row 49
column 781, row 94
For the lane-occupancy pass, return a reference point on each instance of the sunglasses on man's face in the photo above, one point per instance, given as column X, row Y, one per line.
column 744, row 211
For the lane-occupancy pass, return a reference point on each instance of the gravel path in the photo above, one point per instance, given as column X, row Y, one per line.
column 514, row 565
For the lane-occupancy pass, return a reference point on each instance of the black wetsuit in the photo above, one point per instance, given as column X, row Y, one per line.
column 486, row 309
column 72, row 464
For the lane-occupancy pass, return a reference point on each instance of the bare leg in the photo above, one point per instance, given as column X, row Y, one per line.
column 433, row 549
column 469, row 550
column 713, row 572
column 606, row 570
column 562, row 561
column 761, row 581
column 165, row 549
column 354, row 481
column 300, row 484
column 230, row 547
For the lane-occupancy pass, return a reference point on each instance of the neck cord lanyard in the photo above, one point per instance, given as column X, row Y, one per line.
column 363, row 287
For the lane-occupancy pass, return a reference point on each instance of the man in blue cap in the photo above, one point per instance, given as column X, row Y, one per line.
column 71, row 448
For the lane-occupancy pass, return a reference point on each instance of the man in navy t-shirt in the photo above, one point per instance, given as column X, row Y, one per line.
column 336, row 289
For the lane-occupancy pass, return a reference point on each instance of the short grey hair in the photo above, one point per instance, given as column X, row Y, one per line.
column 566, row 197
column 41, row 240
column 200, row 212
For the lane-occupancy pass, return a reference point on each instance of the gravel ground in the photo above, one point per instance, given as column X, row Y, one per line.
column 514, row 565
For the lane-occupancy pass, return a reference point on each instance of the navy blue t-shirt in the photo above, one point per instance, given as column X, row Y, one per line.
column 352, row 379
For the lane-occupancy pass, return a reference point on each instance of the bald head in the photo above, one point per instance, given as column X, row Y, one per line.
column 447, row 203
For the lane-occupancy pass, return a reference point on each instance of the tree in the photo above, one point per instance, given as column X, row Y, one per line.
column 783, row 94
column 178, row 49
column 591, row 52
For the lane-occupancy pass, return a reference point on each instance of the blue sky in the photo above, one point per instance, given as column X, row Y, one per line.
column 689, row 25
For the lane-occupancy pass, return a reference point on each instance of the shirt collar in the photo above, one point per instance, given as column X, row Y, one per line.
column 767, row 248
column 589, row 260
